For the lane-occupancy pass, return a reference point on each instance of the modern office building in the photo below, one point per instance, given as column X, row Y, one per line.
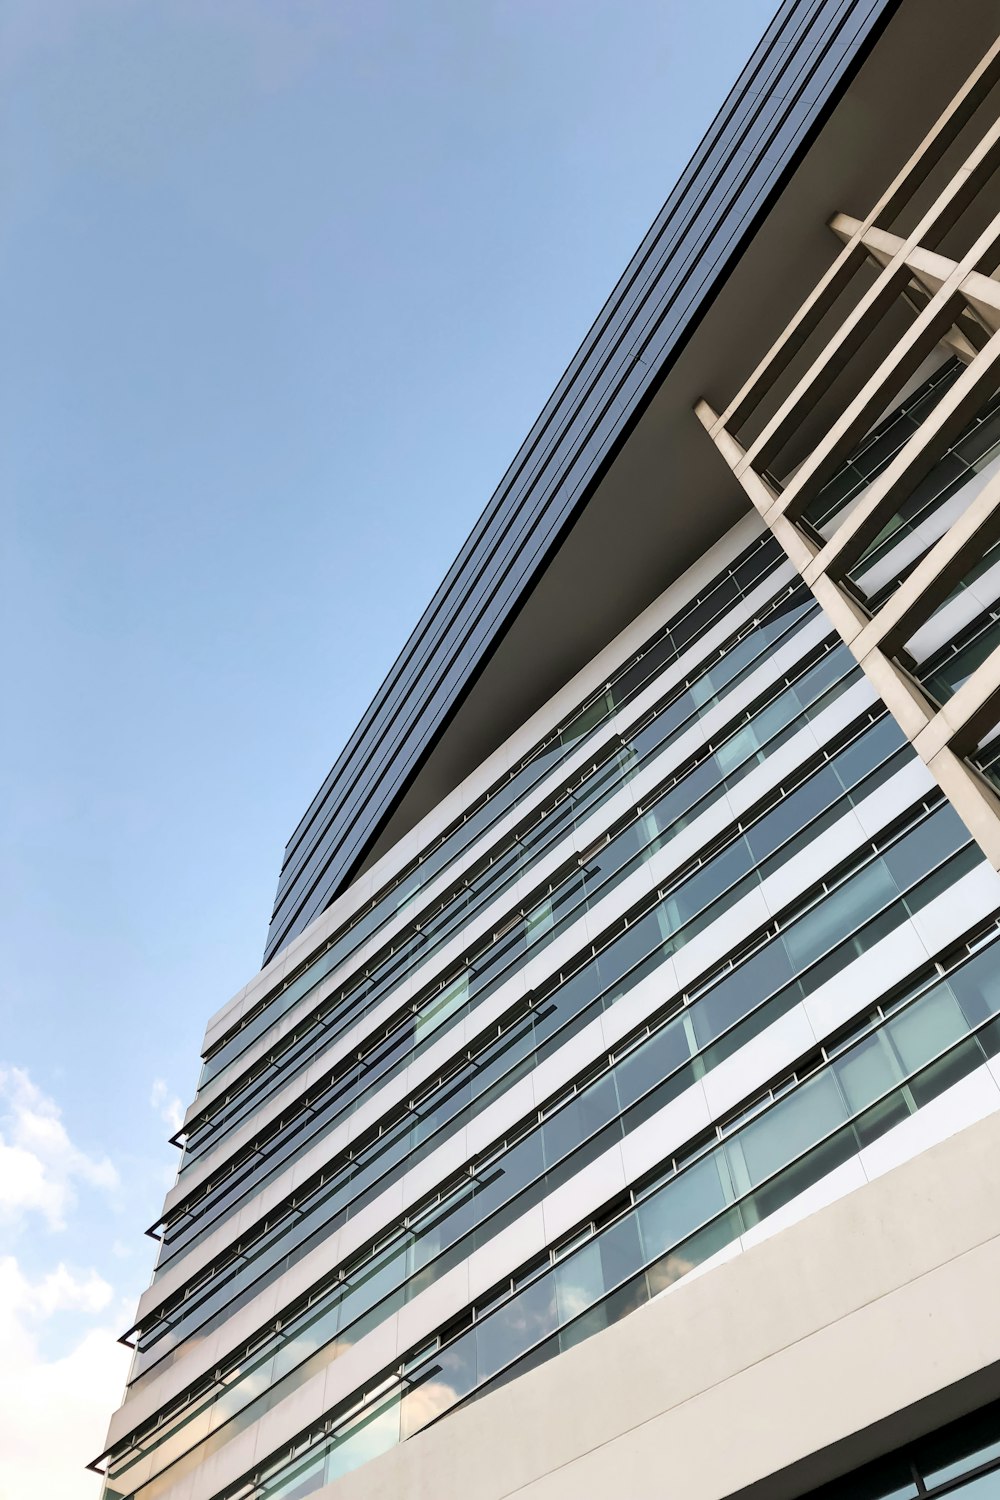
column 618, row 1109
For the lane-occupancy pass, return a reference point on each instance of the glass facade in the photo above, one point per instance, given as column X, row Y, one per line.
column 635, row 844
column 938, row 843
column 728, row 833
column 664, row 976
column 707, row 610
column 892, row 1062
column 503, row 864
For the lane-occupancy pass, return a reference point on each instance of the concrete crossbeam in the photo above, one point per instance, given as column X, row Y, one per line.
column 941, row 290
column 904, row 185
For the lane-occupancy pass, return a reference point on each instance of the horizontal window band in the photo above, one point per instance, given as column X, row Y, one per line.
column 771, row 558
column 683, row 1159
column 821, row 960
column 808, row 770
column 788, row 592
column 813, row 659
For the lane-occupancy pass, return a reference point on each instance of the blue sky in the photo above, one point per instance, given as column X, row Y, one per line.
column 284, row 283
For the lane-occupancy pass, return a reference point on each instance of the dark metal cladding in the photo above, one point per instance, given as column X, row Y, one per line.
column 801, row 67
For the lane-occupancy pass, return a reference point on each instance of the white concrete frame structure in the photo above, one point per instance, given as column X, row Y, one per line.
column 724, row 922
column 948, row 290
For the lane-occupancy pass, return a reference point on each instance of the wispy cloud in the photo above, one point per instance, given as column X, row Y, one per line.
column 61, row 1290
column 167, row 1105
column 40, row 1167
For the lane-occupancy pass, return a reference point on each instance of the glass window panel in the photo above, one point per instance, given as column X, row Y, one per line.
column 867, row 1072
column 195, row 1429
column 795, row 1124
column 516, row 1168
column 977, row 986
column 879, row 1118
column 431, row 1237
column 587, row 719
column 598, row 1103
column 372, row 1281
column 797, row 809
column 873, row 746
column 580, row 1118
column 989, row 1038
column 948, row 1070
column 801, row 1175
column 538, row 922
column 302, row 1479
column 243, row 1387
column 307, row 1339
column 562, row 1131
column 579, row 1282
column 833, row 496
column 986, row 1487
column 700, row 616
column 371, row 1319
column 621, row 1251
column 648, row 664
column 451, row 1376
column 539, row 1355
column 376, row 1433
column 828, row 670
column 778, row 1005
column 634, row 943
column 741, row 745
column 437, row 1010
column 519, row 1045
column 721, row 873
column 740, row 991
column 626, row 1299
column 652, row 1061
column 514, row 1328
column 966, row 1445
column 925, row 847
column 581, row 1328
column 844, row 909
column 932, row 885
column 686, row 1257
column 927, row 1028
column 977, row 447
column 682, row 1205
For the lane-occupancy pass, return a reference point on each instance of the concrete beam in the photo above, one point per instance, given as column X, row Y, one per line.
column 936, row 575
column 907, row 181
column 911, row 464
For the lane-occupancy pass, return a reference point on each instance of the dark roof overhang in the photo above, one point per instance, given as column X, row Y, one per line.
column 616, row 489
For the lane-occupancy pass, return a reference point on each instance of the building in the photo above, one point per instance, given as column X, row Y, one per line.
column 618, row 1109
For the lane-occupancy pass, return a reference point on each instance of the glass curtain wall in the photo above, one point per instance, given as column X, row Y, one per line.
column 757, row 776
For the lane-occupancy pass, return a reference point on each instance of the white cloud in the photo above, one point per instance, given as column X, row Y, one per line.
column 55, row 1411
column 39, row 1165
column 167, row 1106
column 55, row 1405
column 61, row 1290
